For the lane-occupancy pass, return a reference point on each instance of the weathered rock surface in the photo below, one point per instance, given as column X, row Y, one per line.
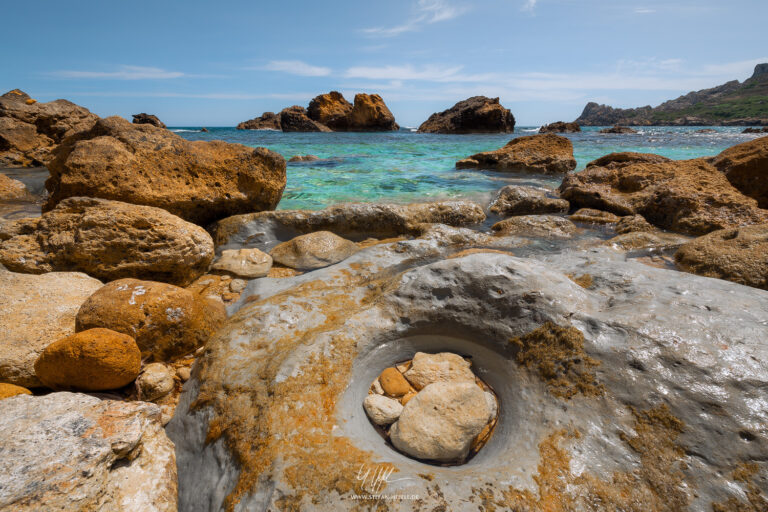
column 540, row 154
column 687, row 196
column 108, row 240
column 92, row 360
column 313, row 250
column 756, row 130
column 247, row 263
column 548, row 226
column 369, row 114
column 613, row 160
column 477, row 114
column 382, row 410
column 13, row 190
column 632, row 224
column 738, row 254
column 200, row 181
column 427, row 369
column 167, row 322
column 618, row 130
column 35, row 311
column 441, row 421
column 30, row 130
column 329, row 109
column 67, row 451
column 592, row 216
column 746, row 167
column 155, row 381
column 148, row 119
column 295, row 119
column 303, row 158
column 560, row 127
column 9, row 390
column 522, row 200
column 267, row 121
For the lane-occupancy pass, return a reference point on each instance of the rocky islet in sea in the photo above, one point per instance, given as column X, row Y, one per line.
column 209, row 350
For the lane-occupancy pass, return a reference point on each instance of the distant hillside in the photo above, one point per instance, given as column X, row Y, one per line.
column 732, row 103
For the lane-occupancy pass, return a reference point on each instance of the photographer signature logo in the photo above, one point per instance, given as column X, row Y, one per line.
column 373, row 479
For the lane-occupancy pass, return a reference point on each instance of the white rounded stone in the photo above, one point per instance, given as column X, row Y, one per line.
column 382, row 410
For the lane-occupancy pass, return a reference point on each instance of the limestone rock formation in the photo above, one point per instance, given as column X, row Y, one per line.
column 29, row 130
column 108, row 240
column 477, row 114
column 521, row 200
column 738, row 254
column 68, row 451
column 267, row 121
column 93, row 360
column 35, row 311
column 247, row 263
column 593, row 216
column 199, row 181
column 369, row 114
column 148, row 119
column 688, row 196
column 547, row 226
column 295, row 119
column 313, row 250
column 167, row 322
column 329, row 109
column 13, row 190
column 746, row 167
column 540, row 154
column 560, row 127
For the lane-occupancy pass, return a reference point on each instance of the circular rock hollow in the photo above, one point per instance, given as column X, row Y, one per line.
column 433, row 408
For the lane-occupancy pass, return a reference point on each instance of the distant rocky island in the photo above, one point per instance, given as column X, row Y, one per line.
column 478, row 114
column 731, row 104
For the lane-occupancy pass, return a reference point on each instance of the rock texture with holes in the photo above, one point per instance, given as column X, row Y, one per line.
column 537, row 154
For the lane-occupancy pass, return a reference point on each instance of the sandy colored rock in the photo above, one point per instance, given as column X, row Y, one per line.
column 295, row 119
column 560, row 127
column 184, row 373
column 441, row 421
column 200, row 181
column 592, row 216
column 550, row 226
column 746, row 167
column 393, row 383
column 108, row 240
column 443, row 367
column 539, row 154
column 382, row 410
column 632, row 224
column 478, row 114
column 247, row 263
column 303, row 158
column 636, row 240
column 9, row 390
column 313, row 250
column 35, row 311
column 92, row 360
column 613, row 160
column 70, row 451
column 166, row 321
column 13, row 190
column 369, row 114
column 738, row 254
column 687, row 196
column 155, row 381
column 329, row 109
column 522, row 200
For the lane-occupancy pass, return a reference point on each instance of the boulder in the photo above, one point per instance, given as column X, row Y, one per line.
column 267, row 121
column 148, row 119
column 29, row 130
column 560, row 127
column 295, row 119
column 67, row 451
column 477, row 114
column 427, row 369
column 382, row 410
column 592, row 216
column 93, row 360
column 441, row 421
column 247, row 263
column 108, row 240
column 746, row 167
column 548, row 226
column 737, row 254
column 155, row 381
column 329, row 109
column 199, row 181
column 13, row 190
column 35, row 311
column 755, row 130
column 9, row 390
column 633, row 224
column 615, row 160
column 687, row 196
column 166, row 321
column 369, row 114
column 313, row 250
column 521, row 200
column 540, row 154
column 618, row 130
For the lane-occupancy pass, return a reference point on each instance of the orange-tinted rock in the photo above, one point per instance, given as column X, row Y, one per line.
column 13, row 190
column 166, row 321
column 560, row 127
column 329, row 108
column 540, row 154
column 393, row 383
column 9, row 390
column 746, row 167
column 199, row 181
column 368, row 114
column 477, row 114
column 93, row 360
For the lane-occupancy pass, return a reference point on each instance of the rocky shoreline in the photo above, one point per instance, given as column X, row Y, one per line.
column 170, row 341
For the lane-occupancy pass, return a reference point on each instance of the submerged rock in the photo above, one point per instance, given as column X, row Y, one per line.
column 560, row 127
column 618, row 130
column 67, row 451
column 35, row 311
column 148, row 119
column 303, row 158
column 477, row 114
column 108, row 240
column 200, row 181
column 521, row 200
column 746, row 167
column 540, row 154
column 313, row 250
column 548, row 226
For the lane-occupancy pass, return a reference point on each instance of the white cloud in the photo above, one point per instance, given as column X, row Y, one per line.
column 123, row 73
column 434, row 73
column 297, row 67
column 426, row 12
column 644, row 10
column 529, row 5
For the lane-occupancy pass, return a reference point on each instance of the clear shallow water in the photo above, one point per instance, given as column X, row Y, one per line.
column 405, row 167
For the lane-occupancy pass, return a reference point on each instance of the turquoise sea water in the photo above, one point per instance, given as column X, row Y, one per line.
column 405, row 166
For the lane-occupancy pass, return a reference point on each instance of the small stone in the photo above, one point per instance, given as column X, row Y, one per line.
column 155, row 381
column 592, row 216
column 184, row 373
column 237, row 285
column 549, row 226
column 382, row 410
column 407, row 398
column 393, row 383
column 9, row 390
column 314, row 250
column 443, row 367
column 520, row 200
column 633, row 223
column 167, row 414
column 376, row 387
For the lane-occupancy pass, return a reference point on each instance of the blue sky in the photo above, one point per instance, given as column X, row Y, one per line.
column 217, row 63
